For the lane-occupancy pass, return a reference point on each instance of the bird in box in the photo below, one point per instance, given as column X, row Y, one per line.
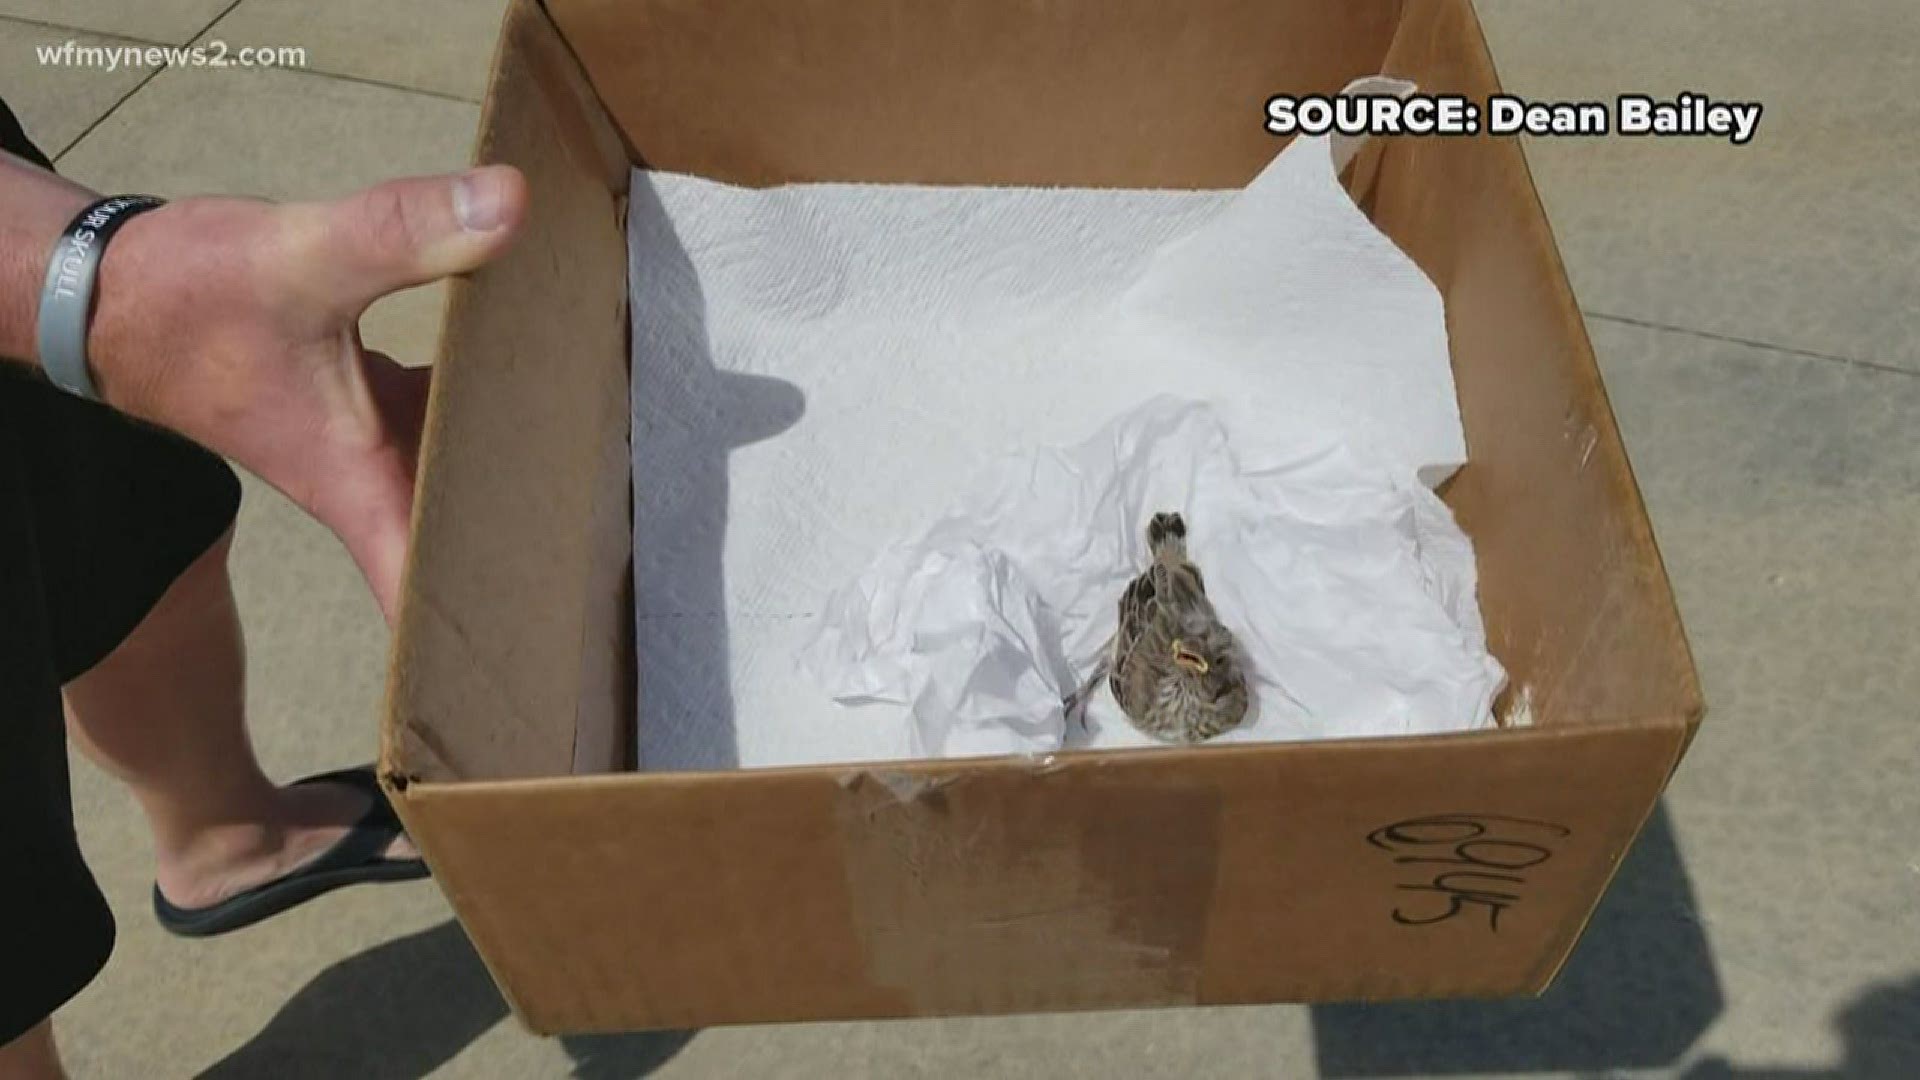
column 1173, row 666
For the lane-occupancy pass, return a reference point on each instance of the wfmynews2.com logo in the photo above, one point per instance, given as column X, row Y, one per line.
column 211, row 54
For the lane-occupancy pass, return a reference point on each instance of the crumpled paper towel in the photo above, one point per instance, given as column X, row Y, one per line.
column 1351, row 593
column 820, row 369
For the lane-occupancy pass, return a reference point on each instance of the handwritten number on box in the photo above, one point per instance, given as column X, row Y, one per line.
column 1480, row 862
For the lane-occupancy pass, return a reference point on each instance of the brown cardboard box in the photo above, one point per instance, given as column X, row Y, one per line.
column 1456, row 865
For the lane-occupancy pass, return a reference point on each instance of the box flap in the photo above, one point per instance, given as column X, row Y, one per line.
column 1576, row 599
column 510, row 637
column 1137, row 93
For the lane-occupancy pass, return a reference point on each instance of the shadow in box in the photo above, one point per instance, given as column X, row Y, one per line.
column 693, row 422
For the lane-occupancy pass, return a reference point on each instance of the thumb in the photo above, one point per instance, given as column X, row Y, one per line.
column 407, row 232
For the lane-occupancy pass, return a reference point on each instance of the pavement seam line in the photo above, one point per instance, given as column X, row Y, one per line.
column 102, row 118
column 364, row 80
column 1768, row 346
column 42, row 24
column 340, row 76
column 137, row 87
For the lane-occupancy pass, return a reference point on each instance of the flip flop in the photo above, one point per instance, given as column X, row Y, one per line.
column 353, row 859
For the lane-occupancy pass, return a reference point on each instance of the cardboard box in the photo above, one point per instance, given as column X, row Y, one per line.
column 1423, row 867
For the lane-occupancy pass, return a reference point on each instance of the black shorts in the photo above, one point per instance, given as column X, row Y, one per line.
column 98, row 516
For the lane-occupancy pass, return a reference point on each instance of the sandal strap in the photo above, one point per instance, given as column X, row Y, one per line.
column 367, row 839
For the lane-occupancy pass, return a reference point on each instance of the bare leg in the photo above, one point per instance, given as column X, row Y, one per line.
column 31, row 1056
column 166, row 713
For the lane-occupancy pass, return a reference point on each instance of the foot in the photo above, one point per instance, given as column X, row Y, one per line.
column 298, row 824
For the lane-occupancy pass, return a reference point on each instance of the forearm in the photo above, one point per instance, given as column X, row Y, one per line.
column 35, row 205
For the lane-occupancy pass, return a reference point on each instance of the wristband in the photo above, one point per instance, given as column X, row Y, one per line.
column 66, row 300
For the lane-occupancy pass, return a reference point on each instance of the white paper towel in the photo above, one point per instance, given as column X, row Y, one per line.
column 1350, row 591
column 819, row 370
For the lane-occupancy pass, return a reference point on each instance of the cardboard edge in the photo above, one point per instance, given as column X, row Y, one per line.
column 1556, row 960
column 1643, row 555
column 1639, row 523
column 399, row 757
column 612, row 750
column 610, row 141
column 415, row 810
column 391, row 768
column 919, row 778
column 398, row 774
column 912, row 801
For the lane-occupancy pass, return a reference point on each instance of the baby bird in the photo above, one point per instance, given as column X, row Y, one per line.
column 1174, row 669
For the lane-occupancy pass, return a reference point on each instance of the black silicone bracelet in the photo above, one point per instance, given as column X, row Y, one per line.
column 66, row 299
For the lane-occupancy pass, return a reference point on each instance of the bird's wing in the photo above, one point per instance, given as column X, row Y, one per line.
column 1136, row 610
column 1138, row 606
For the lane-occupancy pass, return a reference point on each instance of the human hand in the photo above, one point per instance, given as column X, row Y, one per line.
column 235, row 323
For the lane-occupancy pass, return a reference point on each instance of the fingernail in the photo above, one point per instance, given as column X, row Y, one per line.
column 476, row 201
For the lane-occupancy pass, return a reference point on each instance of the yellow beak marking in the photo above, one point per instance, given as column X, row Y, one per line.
column 1189, row 659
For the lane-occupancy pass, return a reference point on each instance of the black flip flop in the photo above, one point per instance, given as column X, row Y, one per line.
column 357, row 857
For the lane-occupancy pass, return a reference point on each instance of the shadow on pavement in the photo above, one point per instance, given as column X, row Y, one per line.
column 1881, row 1029
column 404, row 1008
column 1636, row 994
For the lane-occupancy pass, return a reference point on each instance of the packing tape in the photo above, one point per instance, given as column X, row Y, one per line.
column 1020, row 889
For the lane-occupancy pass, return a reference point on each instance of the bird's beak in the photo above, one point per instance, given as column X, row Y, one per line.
column 1189, row 659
